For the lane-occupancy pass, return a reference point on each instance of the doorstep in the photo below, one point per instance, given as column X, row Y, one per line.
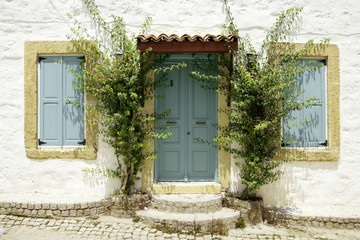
column 186, row 188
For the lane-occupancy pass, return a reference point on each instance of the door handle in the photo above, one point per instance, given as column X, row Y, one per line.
column 188, row 133
column 200, row 122
column 170, row 122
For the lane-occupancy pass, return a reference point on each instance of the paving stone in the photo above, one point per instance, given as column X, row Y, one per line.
column 18, row 222
column 53, row 206
column 42, row 226
column 158, row 233
column 127, row 236
column 82, row 229
column 86, row 212
column 70, row 206
column 83, row 205
column 23, row 205
column 73, row 213
column 92, row 204
column 37, row 206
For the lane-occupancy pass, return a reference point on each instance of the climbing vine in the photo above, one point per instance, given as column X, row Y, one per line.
column 115, row 74
column 263, row 92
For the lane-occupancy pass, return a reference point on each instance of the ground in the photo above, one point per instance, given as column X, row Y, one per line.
column 107, row 227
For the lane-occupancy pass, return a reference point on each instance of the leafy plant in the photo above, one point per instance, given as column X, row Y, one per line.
column 263, row 92
column 240, row 224
column 115, row 74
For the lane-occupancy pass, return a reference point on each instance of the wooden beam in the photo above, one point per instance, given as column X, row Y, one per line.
column 188, row 47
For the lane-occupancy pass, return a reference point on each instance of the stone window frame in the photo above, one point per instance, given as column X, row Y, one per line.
column 330, row 53
column 34, row 49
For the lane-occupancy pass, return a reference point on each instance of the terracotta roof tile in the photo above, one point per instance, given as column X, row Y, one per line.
column 187, row 38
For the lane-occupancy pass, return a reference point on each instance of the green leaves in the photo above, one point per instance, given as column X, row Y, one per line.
column 263, row 92
column 115, row 75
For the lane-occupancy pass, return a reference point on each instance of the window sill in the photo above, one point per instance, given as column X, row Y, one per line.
column 320, row 154
column 61, row 148
column 86, row 153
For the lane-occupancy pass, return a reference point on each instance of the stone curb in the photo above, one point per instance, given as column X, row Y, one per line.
column 51, row 210
column 124, row 208
column 276, row 216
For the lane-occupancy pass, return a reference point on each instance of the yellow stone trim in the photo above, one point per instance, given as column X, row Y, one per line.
column 332, row 151
column 224, row 158
column 187, row 188
column 34, row 49
column 148, row 167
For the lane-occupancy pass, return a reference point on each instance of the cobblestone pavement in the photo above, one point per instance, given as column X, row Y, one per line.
column 106, row 227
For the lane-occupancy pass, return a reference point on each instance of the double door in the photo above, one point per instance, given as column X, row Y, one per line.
column 189, row 154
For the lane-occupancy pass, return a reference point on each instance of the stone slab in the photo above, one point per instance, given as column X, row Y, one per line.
column 186, row 188
column 187, row 203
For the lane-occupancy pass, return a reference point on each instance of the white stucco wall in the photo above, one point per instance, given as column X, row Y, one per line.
column 315, row 187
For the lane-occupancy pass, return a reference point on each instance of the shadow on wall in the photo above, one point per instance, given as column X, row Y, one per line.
column 236, row 185
column 61, row 179
column 296, row 183
column 106, row 159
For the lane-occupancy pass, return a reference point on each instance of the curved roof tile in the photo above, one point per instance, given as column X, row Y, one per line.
column 187, row 38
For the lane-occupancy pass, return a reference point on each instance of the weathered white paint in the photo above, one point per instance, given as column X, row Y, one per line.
column 330, row 188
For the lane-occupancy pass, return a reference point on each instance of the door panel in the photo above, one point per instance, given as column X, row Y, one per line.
column 202, row 113
column 172, row 163
column 175, row 138
column 200, row 99
column 200, row 163
column 193, row 111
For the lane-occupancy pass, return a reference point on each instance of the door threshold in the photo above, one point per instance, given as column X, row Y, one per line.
column 186, row 188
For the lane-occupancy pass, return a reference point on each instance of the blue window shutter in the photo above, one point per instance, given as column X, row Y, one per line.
column 73, row 113
column 312, row 131
column 51, row 101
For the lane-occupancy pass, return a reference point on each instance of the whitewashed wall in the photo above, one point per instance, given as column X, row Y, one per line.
column 311, row 187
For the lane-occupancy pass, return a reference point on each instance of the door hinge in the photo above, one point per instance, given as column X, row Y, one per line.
column 324, row 143
column 81, row 58
column 82, row 142
column 41, row 142
column 41, row 58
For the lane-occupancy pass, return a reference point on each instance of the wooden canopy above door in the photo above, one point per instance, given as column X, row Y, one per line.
column 187, row 44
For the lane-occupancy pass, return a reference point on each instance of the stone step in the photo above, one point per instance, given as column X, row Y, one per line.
column 218, row 222
column 186, row 188
column 187, row 203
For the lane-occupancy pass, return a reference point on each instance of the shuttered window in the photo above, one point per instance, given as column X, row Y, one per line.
column 61, row 115
column 308, row 129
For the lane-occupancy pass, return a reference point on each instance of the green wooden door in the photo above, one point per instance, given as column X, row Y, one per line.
column 193, row 113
